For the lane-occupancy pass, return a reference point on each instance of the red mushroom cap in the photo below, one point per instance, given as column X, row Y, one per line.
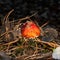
column 30, row 30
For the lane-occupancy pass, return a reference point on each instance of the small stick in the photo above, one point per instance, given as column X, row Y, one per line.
column 11, row 42
column 6, row 33
column 38, row 56
column 44, row 24
column 54, row 45
column 6, row 16
column 16, row 48
column 9, row 14
column 28, row 17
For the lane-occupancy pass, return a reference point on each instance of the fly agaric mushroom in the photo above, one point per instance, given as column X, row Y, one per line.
column 30, row 30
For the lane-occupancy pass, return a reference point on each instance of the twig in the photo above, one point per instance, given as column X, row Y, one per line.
column 38, row 56
column 44, row 24
column 9, row 14
column 11, row 42
column 36, row 48
column 33, row 14
column 27, row 17
column 6, row 16
column 6, row 33
column 7, row 48
column 17, row 47
column 54, row 45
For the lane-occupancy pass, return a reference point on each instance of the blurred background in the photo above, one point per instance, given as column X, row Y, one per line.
column 47, row 10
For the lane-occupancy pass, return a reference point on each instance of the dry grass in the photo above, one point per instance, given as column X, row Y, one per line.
column 19, row 47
